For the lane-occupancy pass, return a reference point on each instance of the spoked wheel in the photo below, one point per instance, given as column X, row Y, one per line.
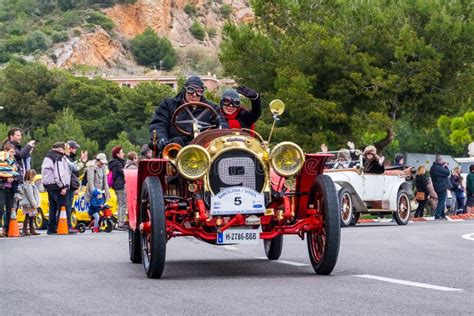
column 345, row 202
column 273, row 247
column 152, row 228
column 323, row 242
column 402, row 215
column 355, row 218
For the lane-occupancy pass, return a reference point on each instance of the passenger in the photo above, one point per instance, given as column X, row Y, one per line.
column 372, row 162
column 145, row 152
column 399, row 162
column 236, row 116
column 343, row 160
column 193, row 91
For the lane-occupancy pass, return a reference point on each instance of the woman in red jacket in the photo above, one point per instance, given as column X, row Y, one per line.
column 237, row 116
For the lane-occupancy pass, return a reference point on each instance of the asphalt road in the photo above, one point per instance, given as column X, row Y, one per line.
column 91, row 273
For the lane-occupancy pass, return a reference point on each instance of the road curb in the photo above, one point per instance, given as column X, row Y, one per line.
column 452, row 218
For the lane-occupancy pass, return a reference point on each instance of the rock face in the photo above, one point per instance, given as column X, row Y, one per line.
column 166, row 17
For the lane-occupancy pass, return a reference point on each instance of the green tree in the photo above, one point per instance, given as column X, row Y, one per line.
column 98, row 18
column 149, row 49
column 65, row 127
column 352, row 70
column 123, row 141
column 37, row 40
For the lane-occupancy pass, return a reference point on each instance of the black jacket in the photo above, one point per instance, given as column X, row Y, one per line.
column 161, row 121
column 439, row 175
column 421, row 183
column 247, row 118
column 21, row 156
column 373, row 166
column 116, row 167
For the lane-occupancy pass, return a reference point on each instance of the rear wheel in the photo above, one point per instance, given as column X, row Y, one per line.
column 345, row 202
column 273, row 247
column 73, row 219
column 109, row 225
column 153, row 228
column 402, row 214
column 81, row 227
column 323, row 242
column 40, row 220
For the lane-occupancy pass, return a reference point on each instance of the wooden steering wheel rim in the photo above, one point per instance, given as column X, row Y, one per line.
column 187, row 105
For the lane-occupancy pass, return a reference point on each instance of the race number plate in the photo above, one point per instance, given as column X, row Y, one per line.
column 238, row 236
column 236, row 200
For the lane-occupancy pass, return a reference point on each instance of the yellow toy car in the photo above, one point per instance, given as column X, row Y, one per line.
column 79, row 207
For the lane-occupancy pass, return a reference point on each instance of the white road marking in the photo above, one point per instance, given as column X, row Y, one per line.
column 291, row 263
column 416, row 284
column 230, row 247
column 468, row 236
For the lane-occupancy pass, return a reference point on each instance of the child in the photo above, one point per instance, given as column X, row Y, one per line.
column 95, row 205
column 8, row 184
column 30, row 202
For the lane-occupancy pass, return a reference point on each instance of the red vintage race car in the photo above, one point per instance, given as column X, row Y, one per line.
column 228, row 186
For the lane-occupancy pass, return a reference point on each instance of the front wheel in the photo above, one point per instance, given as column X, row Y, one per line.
column 40, row 220
column 153, row 227
column 273, row 247
column 323, row 242
column 402, row 214
column 345, row 201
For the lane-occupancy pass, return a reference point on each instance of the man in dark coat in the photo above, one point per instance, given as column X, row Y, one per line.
column 193, row 91
column 439, row 173
column 22, row 154
column 236, row 116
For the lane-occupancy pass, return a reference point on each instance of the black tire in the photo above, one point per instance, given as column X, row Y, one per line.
column 134, row 246
column 402, row 214
column 355, row 218
column 109, row 225
column 153, row 242
column 323, row 243
column 273, row 247
column 81, row 227
column 345, row 203
column 40, row 220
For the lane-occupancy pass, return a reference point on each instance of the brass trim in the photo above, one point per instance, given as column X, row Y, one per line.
column 287, row 174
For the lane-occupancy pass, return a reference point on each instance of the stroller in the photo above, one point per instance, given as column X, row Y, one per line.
column 97, row 206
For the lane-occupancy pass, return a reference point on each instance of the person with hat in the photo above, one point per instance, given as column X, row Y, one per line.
column 371, row 161
column 75, row 165
column 166, row 133
column 145, row 152
column 237, row 116
column 56, row 179
column 97, row 177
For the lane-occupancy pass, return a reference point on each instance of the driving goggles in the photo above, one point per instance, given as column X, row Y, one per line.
column 227, row 101
column 191, row 90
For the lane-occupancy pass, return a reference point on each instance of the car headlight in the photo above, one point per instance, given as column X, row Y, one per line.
column 287, row 158
column 193, row 162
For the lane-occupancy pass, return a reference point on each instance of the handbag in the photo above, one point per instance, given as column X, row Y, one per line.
column 420, row 196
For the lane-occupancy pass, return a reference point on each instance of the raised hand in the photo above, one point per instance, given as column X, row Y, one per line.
column 247, row 92
column 324, row 148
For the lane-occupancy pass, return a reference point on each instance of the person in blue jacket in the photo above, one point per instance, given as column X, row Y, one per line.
column 96, row 204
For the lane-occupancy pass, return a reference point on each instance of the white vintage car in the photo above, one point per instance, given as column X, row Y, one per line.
column 360, row 193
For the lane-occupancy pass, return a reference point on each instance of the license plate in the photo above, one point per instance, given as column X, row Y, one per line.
column 236, row 200
column 238, row 236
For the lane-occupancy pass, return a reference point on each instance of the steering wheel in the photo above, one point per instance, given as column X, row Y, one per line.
column 194, row 121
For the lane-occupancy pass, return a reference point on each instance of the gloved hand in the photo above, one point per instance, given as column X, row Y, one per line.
column 162, row 143
column 247, row 92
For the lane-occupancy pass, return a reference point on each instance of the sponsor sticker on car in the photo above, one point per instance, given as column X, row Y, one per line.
column 236, row 200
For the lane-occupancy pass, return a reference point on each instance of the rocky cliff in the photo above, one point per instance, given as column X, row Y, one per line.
column 167, row 17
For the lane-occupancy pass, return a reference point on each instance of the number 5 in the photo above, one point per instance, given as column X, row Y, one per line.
column 237, row 200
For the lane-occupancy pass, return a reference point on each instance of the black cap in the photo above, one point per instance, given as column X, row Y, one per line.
column 73, row 144
column 194, row 81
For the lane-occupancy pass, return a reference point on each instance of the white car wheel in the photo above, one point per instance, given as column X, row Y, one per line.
column 345, row 202
column 402, row 214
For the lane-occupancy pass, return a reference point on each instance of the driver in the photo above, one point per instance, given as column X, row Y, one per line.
column 193, row 91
